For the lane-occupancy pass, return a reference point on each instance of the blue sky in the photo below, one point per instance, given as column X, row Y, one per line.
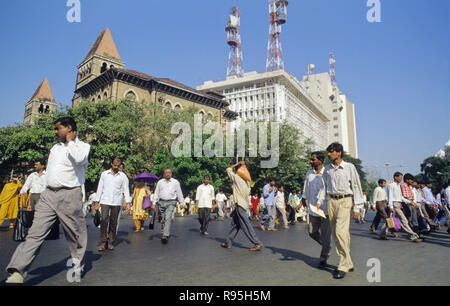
column 397, row 72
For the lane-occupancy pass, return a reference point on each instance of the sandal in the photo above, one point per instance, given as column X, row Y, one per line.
column 225, row 245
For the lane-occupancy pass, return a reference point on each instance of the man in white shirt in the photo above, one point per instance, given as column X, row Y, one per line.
column 319, row 227
column 221, row 204
column 204, row 201
column 62, row 200
column 280, row 205
column 395, row 203
column 112, row 188
column 447, row 203
column 167, row 193
column 341, row 184
column 380, row 200
column 35, row 183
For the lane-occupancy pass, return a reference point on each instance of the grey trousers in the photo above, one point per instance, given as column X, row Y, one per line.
column 34, row 199
column 404, row 220
column 240, row 221
column 283, row 215
column 269, row 218
column 65, row 205
column 166, row 210
column 320, row 231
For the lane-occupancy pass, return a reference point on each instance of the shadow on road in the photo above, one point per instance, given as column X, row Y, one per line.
column 47, row 272
column 290, row 255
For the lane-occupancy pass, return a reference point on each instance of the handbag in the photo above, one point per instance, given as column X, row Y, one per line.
column 22, row 224
column 390, row 223
column 397, row 222
column 97, row 219
column 146, row 202
column 152, row 219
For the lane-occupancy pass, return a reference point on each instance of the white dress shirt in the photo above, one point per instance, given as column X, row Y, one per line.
column 313, row 185
column 447, row 195
column 221, row 197
column 67, row 165
column 429, row 197
column 341, row 180
column 394, row 194
column 35, row 183
column 279, row 200
column 205, row 196
column 379, row 195
column 112, row 188
column 168, row 190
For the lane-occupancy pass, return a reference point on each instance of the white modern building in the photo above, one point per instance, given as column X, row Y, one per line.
column 276, row 96
column 338, row 107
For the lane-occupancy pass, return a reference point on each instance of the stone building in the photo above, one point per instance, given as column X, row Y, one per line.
column 41, row 102
column 102, row 76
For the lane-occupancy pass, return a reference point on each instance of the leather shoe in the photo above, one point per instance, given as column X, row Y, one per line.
column 384, row 238
column 165, row 239
column 339, row 274
column 225, row 245
column 323, row 264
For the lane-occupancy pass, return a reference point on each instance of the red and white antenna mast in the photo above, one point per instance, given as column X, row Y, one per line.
column 277, row 17
column 233, row 29
column 332, row 72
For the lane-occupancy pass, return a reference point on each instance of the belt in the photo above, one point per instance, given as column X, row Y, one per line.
column 61, row 188
column 340, row 196
column 168, row 200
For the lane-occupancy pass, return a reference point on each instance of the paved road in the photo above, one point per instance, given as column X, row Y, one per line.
column 289, row 258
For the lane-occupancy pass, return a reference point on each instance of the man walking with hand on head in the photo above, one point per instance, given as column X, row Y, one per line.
column 62, row 199
column 341, row 184
column 240, row 219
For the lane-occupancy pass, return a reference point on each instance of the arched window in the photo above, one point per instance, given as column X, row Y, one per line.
column 178, row 107
column 93, row 100
column 104, row 68
column 41, row 108
column 168, row 104
column 209, row 117
column 47, row 109
column 130, row 95
column 105, row 95
column 99, row 98
column 112, row 66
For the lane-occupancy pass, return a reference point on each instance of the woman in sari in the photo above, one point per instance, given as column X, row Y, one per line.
column 9, row 201
column 140, row 214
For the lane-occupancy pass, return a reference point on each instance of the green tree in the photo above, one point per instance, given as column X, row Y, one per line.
column 437, row 171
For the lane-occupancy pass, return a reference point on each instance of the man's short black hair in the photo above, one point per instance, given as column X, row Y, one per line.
column 319, row 155
column 66, row 121
column 335, row 146
column 271, row 179
column 206, row 176
column 40, row 160
column 381, row 181
column 408, row 176
column 397, row 174
column 116, row 157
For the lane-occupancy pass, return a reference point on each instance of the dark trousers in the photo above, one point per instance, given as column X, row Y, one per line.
column 412, row 214
column 381, row 207
column 204, row 214
column 291, row 216
column 240, row 221
column 108, row 225
column 320, row 231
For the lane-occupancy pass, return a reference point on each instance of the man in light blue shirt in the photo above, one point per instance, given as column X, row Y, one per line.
column 269, row 193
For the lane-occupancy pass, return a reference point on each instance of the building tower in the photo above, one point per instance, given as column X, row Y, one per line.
column 42, row 102
column 277, row 17
column 102, row 56
column 235, row 59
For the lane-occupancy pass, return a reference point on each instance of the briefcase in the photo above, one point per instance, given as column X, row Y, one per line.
column 22, row 223
column 390, row 222
column 97, row 219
